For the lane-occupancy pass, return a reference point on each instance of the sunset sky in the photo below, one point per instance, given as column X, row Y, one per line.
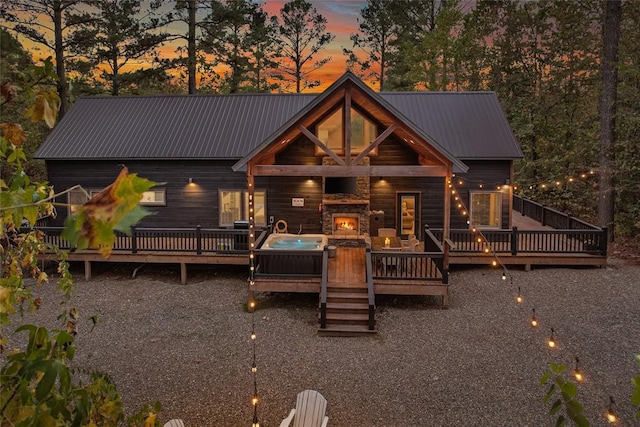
column 341, row 18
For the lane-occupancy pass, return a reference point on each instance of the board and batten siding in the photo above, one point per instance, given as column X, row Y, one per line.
column 384, row 189
column 186, row 205
column 491, row 174
column 281, row 190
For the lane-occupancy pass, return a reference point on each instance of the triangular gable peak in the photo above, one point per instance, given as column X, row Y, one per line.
column 347, row 96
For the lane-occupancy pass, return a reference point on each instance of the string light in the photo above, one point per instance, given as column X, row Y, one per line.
column 551, row 342
column 252, row 303
column 577, row 373
column 612, row 417
column 519, row 297
column 534, row 319
column 611, row 414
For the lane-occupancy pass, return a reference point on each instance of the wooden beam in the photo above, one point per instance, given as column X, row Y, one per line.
column 346, row 120
column 388, row 131
column 353, row 170
column 447, row 204
column 321, row 144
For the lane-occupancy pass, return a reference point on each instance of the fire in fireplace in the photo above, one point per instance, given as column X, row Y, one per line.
column 345, row 222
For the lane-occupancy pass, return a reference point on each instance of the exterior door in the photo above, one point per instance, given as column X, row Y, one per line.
column 408, row 213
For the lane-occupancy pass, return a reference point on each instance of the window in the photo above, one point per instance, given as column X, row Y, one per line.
column 76, row 198
column 234, row 206
column 330, row 131
column 154, row 198
column 80, row 196
column 486, row 209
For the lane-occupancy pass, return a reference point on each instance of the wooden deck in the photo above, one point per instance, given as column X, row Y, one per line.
column 535, row 249
column 347, row 268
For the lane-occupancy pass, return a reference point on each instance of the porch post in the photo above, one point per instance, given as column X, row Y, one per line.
column 447, row 205
column 251, row 239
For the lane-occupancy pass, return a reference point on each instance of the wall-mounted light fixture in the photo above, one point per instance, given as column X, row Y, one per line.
column 190, row 180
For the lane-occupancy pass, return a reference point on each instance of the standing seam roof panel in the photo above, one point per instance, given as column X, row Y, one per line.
column 467, row 124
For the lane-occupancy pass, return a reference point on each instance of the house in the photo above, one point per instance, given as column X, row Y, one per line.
column 405, row 148
column 274, row 180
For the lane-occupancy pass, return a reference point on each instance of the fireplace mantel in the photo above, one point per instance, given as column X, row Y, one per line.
column 344, row 202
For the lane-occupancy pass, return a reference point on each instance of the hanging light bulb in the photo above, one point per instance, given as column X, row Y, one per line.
column 479, row 239
column 254, row 400
column 534, row 319
column 504, row 275
column 254, row 368
column 612, row 417
column 494, row 263
column 486, row 250
column 519, row 297
column 551, row 342
column 577, row 374
column 252, row 304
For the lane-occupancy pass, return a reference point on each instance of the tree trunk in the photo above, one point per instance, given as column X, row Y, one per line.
column 611, row 39
column 59, row 52
column 191, row 47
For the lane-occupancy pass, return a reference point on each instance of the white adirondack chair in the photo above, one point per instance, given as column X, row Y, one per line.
column 309, row 411
column 176, row 422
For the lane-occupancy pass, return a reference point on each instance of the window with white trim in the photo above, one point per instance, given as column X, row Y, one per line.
column 486, row 209
column 155, row 197
column 234, row 206
column 76, row 198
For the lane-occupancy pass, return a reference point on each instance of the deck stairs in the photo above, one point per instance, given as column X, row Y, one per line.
column 347, row 298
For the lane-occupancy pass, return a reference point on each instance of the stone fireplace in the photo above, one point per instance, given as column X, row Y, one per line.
column 346, row 213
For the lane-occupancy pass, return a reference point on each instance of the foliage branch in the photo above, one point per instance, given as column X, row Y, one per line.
column 38, row 384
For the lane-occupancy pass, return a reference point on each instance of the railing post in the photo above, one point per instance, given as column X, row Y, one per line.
column 198, row 239
column 543, row 220
column 514, row 241
column 134, row 244
column 604, row 241
column 445, row 276
column 568, row 221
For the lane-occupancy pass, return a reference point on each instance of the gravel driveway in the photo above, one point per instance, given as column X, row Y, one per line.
column 477, row 363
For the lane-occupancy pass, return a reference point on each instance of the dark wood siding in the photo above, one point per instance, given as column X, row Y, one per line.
column 187, row 205
column 281, row 190
column 383, row 191
column 491, row 174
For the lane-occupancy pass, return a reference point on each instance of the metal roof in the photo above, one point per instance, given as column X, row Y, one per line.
column 469, row 125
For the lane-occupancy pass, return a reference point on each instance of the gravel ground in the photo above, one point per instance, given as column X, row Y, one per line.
column 477, row 363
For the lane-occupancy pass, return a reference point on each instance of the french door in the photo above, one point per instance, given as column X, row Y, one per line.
column 408, row 213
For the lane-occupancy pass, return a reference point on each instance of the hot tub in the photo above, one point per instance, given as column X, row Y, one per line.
column 296, row 242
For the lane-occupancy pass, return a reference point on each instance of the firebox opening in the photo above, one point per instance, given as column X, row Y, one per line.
column 346, row 223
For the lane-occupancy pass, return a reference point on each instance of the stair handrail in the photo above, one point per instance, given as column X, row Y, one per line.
column 370, row 292
column 323, row 287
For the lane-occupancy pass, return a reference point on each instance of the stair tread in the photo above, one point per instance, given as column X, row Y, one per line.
column 348, row 305
column 354, row 295
column 346, row 330
column 347, row 316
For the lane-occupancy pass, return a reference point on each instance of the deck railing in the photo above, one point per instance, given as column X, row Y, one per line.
column 323, row 288
column 548, row 216
column 407, row 266
column 196, row 240
column 514, row 241
column 271, row 262
column 370, row 292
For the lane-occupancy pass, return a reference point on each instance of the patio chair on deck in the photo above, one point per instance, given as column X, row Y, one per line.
column 309, row 411
column 176, row 422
